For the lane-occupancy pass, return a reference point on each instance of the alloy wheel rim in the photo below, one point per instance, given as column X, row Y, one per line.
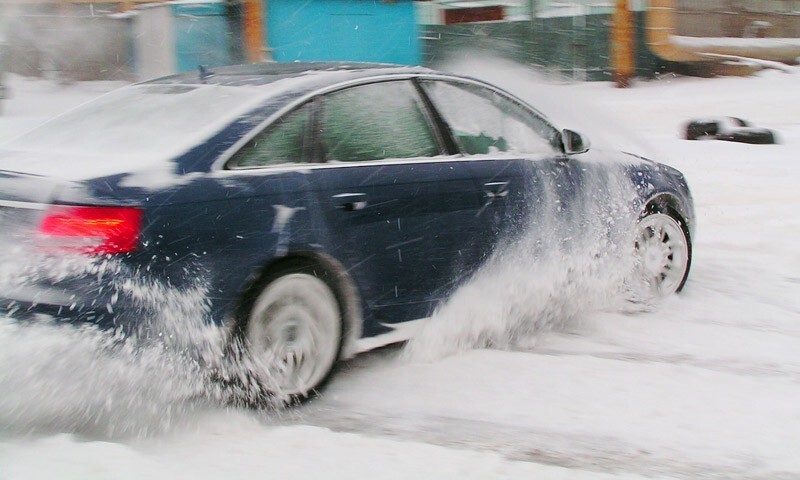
column 663, row 253
column 294, row 331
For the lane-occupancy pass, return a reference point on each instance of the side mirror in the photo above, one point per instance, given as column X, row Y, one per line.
column 574, row 142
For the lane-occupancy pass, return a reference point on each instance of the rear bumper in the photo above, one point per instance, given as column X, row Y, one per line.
column 59, row 304
column 110, row 298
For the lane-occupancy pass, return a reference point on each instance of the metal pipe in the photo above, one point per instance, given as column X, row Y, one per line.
column 623, row 60
column 253, row 27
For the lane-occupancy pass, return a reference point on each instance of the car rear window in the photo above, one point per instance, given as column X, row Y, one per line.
column 142, row 119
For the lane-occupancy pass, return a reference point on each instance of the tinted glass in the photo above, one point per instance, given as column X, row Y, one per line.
column 375, row 121
column 483, row 121
column 282, row 142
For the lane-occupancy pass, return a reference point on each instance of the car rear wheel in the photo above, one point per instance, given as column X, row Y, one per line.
column 294, row 331
column 664, row 254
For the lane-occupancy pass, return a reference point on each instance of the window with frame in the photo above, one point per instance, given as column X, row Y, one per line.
column 485, row 122
column 376, row 121
column 283, row 142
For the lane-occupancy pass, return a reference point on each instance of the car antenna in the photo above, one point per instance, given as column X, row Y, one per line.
column 205, row 73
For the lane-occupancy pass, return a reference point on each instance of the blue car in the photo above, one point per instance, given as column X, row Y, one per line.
column 311, row 205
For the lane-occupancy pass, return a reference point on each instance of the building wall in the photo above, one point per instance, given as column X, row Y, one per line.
column 68, row 42
column 356, row 30
column 179, row 37
column 202, row 35
column 572, row 47
column 431, row 12
column 152, row 30
column 735, row 18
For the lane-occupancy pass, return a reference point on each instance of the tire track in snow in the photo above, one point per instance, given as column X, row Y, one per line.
column 717, row 365
column 602, row 454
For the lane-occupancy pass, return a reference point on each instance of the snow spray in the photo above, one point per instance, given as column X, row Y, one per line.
column 574, row 257
column 117, row 383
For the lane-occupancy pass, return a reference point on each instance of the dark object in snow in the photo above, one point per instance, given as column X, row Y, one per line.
column 711, row 127
column 304, row 207
column 753, row 135
column 732, row 129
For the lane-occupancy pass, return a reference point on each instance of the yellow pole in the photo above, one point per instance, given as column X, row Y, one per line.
column 253, row 28
column 623, row 62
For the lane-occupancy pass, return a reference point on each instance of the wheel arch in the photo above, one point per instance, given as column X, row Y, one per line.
column 669, row 203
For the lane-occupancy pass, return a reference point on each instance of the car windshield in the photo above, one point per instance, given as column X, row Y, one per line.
column 142, row 120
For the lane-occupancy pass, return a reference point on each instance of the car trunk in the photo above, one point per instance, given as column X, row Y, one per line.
column 23, row 198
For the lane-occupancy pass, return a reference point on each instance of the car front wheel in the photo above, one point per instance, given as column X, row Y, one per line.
column 664, row 254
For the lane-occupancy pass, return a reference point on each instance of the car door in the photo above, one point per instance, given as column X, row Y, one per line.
column 265, row 201
column 513, row 153
column 399, row 213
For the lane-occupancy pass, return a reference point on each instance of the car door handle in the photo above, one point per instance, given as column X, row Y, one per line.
column 496, row 189
column 350, row 201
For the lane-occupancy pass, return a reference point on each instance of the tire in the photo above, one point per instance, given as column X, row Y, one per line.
column 701, row 128
column 756, row 136
column 712, row 127
column 664, row 252
column 291, row 328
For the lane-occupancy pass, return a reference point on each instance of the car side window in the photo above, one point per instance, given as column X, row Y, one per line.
column 376, row 121
column 483, row 121
column 284, row 141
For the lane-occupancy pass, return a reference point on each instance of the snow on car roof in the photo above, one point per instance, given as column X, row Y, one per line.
column 266, row 73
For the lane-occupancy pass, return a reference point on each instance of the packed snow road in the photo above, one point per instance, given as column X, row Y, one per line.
column 705, row 385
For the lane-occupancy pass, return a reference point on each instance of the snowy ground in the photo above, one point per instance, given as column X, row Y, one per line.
column 704, row 386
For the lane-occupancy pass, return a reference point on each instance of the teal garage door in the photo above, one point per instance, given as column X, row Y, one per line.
column 349, row 30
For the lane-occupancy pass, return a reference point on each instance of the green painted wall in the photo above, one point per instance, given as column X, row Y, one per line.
column 572, row 47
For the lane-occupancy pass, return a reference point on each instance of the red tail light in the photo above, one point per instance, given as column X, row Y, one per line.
column 96, row 230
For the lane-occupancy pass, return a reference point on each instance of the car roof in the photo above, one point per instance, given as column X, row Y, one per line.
column 308, row 77
column 318, row 73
